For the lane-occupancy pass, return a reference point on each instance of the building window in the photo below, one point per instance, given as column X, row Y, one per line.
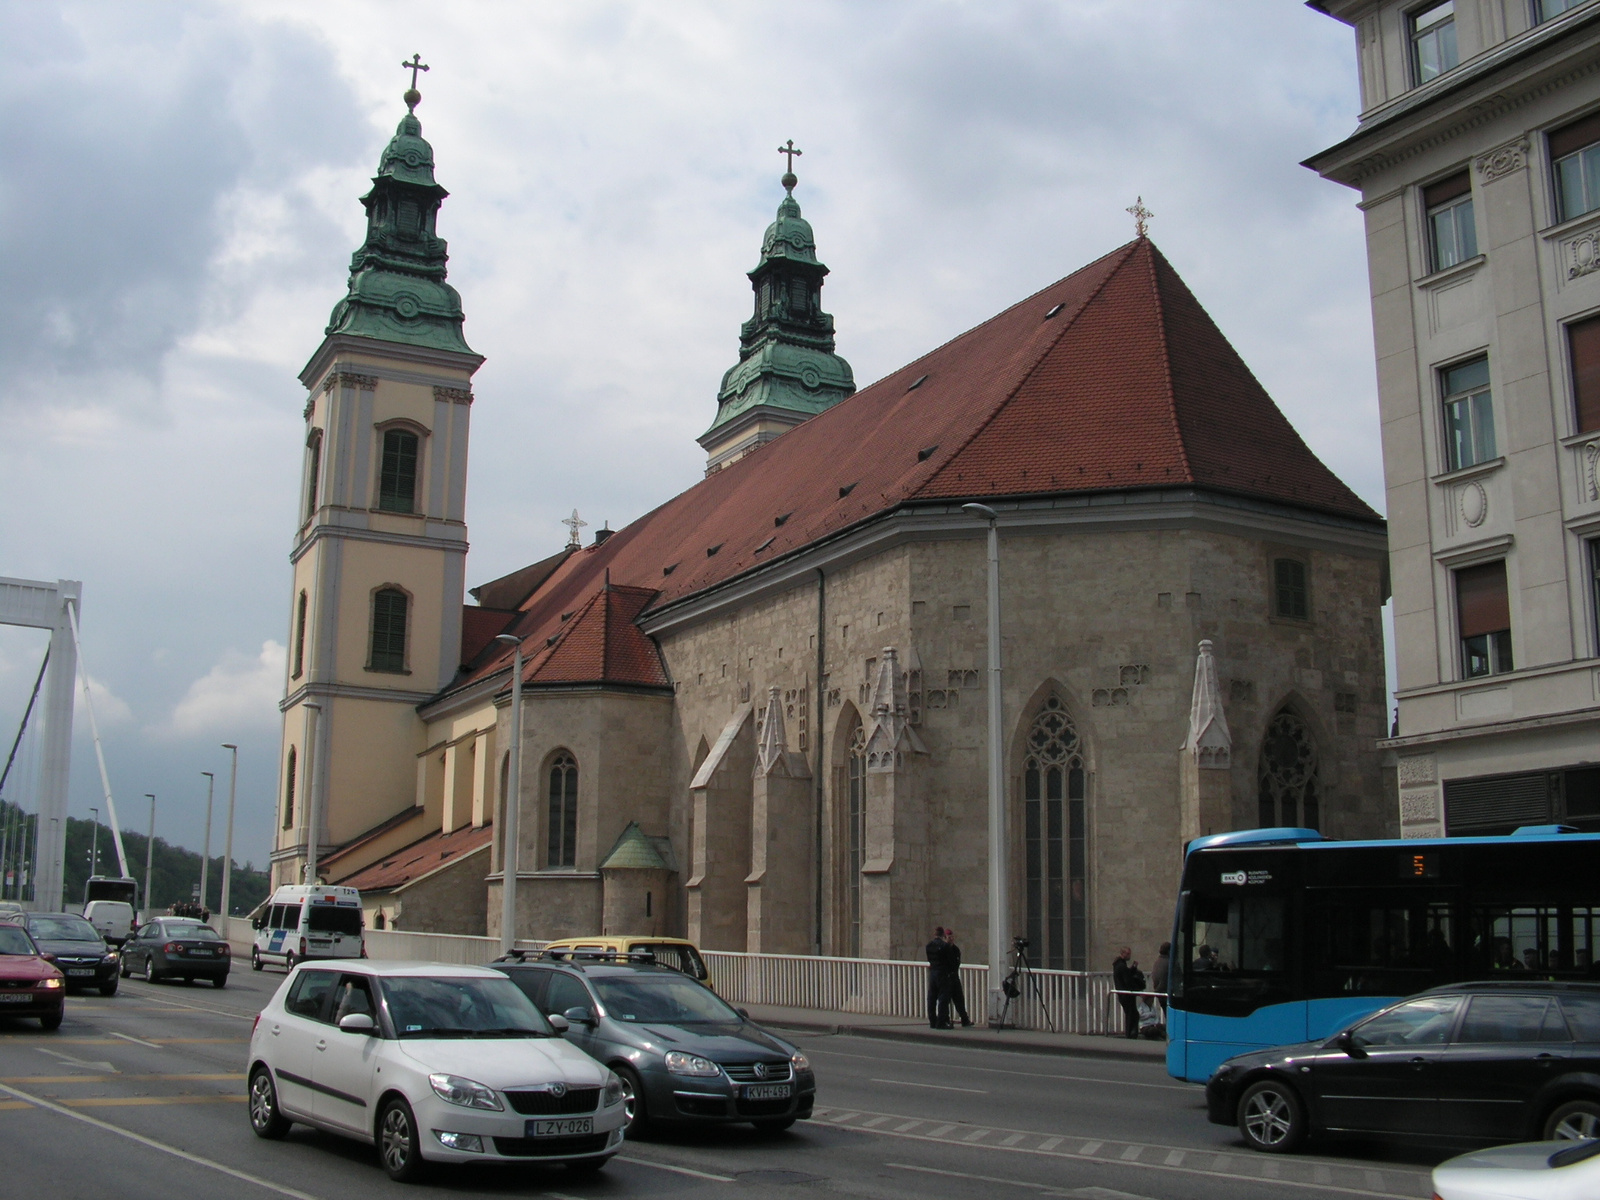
column 313, row 471
column 1053, row 785
column 1583, row 344
column 1452, row 233
column 1483, row 614
column 1291, row 598
column 388, row 631
column 1545, row 10
column 397, row 480
column 1575, row 154
column 563, row 832
column 288, row 790
column 1594, row 589
column 299, row 637
column 855, row 835
column 1468, row 414
column 1433, row 41
column 1287, row 774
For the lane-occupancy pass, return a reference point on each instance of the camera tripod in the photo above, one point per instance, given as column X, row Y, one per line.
column 1022, row 978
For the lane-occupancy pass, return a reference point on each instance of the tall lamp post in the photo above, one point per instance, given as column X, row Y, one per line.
column 998, row 890
column 313, row 792
column 508, row 835
column 149, row 856
column 205, row 857
column 227, row 845
column 94, row 844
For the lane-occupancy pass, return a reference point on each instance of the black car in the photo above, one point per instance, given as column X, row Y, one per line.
column 681, row 1052
column 177, row 948
column 74, row 945
column 1502, row 1061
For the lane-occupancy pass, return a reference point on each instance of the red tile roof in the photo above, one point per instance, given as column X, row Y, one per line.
column 599, row 643
column 420, row 858
column 1112, row 378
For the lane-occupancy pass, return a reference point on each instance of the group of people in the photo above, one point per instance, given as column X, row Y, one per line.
column 945, row 993
column 188, row 908
column 1140, row 1016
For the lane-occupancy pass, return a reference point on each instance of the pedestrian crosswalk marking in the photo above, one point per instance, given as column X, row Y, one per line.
column 1012, row 1140
column 1050, row 1143
column 1174, row 1158
column 1090, row 1147
column 1129, row 1153
column 906, row 1126
column 874, row 1122
column 941, row 1131
column 975, row 1135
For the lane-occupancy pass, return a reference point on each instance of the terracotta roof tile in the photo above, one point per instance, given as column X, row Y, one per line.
column 420, row 858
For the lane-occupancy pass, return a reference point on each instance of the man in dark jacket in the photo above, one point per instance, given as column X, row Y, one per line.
column 938, row 991
column 957, row 994
column 1122, row 979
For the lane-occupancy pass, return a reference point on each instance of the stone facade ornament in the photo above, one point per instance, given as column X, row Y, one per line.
column 1582, row 254
column 773, row 756
column 890, row 734
column 1415, row 769
column 1473, row 503
column 453, row 395
column 1209, row 740
column 1591, row 470
column 1503, row 160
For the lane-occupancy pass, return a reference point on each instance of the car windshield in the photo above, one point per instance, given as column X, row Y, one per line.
column 662, row 999
column 62, row 929
column 325, row 918
column 194, row 933
column 461, row 1007
column 14, row 941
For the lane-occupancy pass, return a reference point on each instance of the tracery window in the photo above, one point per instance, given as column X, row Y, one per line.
column 1054, row 824
column 1288, row 774
column 855, row 834
column 562, row 839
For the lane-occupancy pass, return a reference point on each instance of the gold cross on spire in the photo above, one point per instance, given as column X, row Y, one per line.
column 1141, row 216
column 789, row 150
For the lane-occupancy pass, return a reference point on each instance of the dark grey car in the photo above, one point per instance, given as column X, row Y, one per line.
column 74, row 945
column 681, row 1052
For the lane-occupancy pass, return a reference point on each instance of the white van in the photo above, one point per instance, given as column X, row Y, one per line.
column 308, row 921
column 112, row 919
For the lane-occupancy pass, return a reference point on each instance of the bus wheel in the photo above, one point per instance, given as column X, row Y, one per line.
column 1271, row 1117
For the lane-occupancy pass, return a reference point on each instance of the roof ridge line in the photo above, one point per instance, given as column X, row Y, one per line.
column 1066, row 327
column 1166, row 363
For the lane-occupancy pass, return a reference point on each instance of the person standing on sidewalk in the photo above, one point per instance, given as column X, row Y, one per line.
column 953, row 988
column 1122, row 979
column 938, row 992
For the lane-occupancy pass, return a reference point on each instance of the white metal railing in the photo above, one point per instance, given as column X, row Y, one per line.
column 1071, row 1001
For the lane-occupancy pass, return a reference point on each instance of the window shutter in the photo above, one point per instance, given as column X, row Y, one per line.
column 1436, row 194
column 1496, row 803
column 1575, row 136
column 1481, row 603
column 1583, row 339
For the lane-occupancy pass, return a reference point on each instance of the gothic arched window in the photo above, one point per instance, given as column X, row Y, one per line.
column 1288, row 773
column 288, row 790
column 397, row 477
column 562, row 838
column 1053, row 786
column 389, row 606
column 855, row 835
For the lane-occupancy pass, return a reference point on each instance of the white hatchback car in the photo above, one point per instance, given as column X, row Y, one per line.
column 432, row 1063
column 1567, row 1170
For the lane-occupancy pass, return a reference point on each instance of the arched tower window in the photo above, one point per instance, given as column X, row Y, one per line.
column 288, row 790
column 855, row 834
column 1053, row 786
column 300, row 637
column 397, row 478
column 563, row 831
column 1288, row 773
column 389, row 609
column 313, row 471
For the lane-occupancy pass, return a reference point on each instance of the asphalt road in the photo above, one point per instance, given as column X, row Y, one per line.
column 141, row 1097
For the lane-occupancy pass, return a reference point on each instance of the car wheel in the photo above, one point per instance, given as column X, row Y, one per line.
column 255, row 959
column 53, row 1021
column 109, row 989
column 1271, row 1117
column 398, row 1142
column 288, row 961
column 221, row 981
column 265, row 1117
column 1576, row 1120
column 123, row 970
column 151, row 975
column 587, row 1166
column 635, row 1117
column 773, row 1124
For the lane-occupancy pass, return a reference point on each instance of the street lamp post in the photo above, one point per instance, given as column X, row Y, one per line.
column 205, row 857
column 94, row 844
column 998, row 889
column 227, row 845
column 313, row 792
column 149, row 855
column 508, row 835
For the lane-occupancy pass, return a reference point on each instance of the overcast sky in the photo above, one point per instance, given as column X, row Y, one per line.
column 178, row 204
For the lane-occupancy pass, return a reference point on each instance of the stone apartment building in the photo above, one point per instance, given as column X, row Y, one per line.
column 1477, row 158
column 756, row 714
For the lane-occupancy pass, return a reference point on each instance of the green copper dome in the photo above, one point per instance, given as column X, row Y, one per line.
column 397, row 289
column 790, row 235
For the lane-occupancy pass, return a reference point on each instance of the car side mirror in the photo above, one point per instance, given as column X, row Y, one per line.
column 743, row 1012
column 559, row 1023
column 257, row 923
column 48, row 957
column 1346, row 1041
column 356, row 1023
column 579, row 1016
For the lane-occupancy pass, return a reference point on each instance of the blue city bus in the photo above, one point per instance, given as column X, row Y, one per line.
column 1283, row 935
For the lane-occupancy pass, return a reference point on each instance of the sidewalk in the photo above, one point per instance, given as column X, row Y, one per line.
column 908, row 1029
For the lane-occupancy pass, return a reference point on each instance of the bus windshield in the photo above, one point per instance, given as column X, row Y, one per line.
column 1234, row 954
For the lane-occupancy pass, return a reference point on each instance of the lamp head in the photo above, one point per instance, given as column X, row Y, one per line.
column 508, row 638
column 208, row 774
column 230, row 746
column 982, row 511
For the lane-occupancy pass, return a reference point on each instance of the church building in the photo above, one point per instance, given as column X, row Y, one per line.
column 756, row 715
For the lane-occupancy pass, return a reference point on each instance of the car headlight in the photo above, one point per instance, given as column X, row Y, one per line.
column 680, row 1063
column 53, row 983
column 799, row 1061
column 110, row 957
column 613, row 1092
column 468, row 1093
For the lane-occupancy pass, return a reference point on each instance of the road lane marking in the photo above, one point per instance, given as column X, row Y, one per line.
column 1175, row 1159
column 11, row 1105
column 876, row 1121
column 661, row 1166
column 143, row 1101
column 940, row 1087
column 1050, row 1143
column 975, row 1135
column 220, row 1012
column 1090, row 1147
column 128, row 1037
column 231, row 1172
column 103, row 1068
column 1191, row 1088
column 1131, row 1153
column 1012, row 1140
column 41, row 1080
column 906, row 1126
column 936, row 1134
column 1055, row 1189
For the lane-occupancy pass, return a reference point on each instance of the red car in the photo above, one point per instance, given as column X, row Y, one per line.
column 30, row 984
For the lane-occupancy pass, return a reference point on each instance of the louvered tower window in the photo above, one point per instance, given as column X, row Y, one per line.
column 389, row 631
column 397, row 479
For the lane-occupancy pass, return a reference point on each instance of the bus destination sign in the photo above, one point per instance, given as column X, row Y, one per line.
column 1419, row 866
